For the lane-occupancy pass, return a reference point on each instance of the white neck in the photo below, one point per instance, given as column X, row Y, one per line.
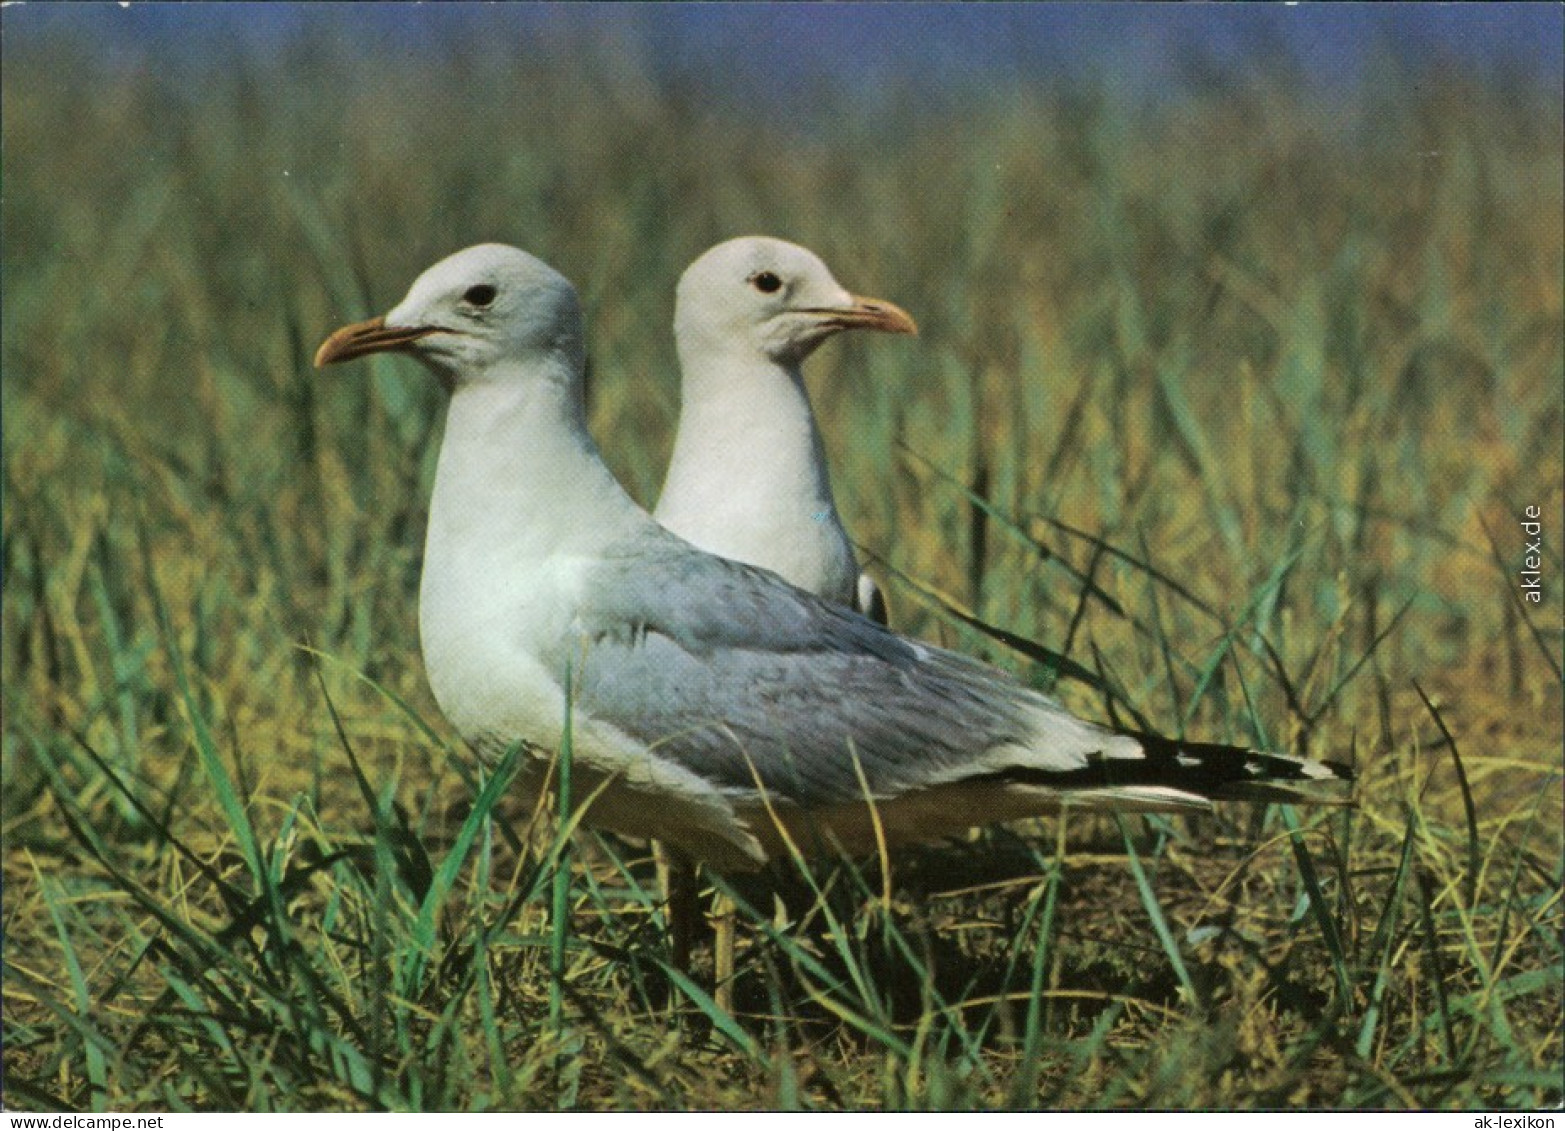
column 748, row 477
column 513, row 448
column 506, row 555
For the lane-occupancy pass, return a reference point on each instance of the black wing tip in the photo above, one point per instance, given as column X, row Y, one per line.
column 1210, row 770
column 1341, row 771
column 1241, row 763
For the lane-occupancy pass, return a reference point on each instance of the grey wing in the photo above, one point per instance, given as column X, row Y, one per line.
column 711, row 605
column 734, row 675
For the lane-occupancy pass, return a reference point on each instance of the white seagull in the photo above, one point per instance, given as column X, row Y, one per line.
column 748, row 477
column 712, row 702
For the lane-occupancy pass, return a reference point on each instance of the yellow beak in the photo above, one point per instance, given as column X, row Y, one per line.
column 373, row 336
column 867, row 314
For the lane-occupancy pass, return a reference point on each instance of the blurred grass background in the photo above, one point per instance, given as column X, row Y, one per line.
column 1278, row 367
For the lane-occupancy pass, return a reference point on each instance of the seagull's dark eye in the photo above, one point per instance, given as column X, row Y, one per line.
column 766, row 282
column 480, row 295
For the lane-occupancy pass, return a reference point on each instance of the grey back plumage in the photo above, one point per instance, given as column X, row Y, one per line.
column 763, row 681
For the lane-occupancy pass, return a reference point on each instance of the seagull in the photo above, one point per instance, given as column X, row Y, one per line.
column 748, row 478
column 712, row 705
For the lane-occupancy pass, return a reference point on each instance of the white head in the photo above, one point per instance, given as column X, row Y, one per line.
column 765, row 296
column 470, row 314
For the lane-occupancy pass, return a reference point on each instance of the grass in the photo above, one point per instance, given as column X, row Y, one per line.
column 1223, row 417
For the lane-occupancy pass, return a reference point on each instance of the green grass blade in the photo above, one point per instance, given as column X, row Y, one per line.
column 560, row 900
column 1469, row 809
column 1384, row 943
column 1319, row 908
column 92, row 1041
column 423, row 940
column 1155, row 913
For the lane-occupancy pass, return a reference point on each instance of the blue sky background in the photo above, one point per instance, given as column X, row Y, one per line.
column 788, row 51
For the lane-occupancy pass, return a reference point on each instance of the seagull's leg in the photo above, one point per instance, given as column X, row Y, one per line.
column 723, row 919
column 677, row 873
column 681, row 888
